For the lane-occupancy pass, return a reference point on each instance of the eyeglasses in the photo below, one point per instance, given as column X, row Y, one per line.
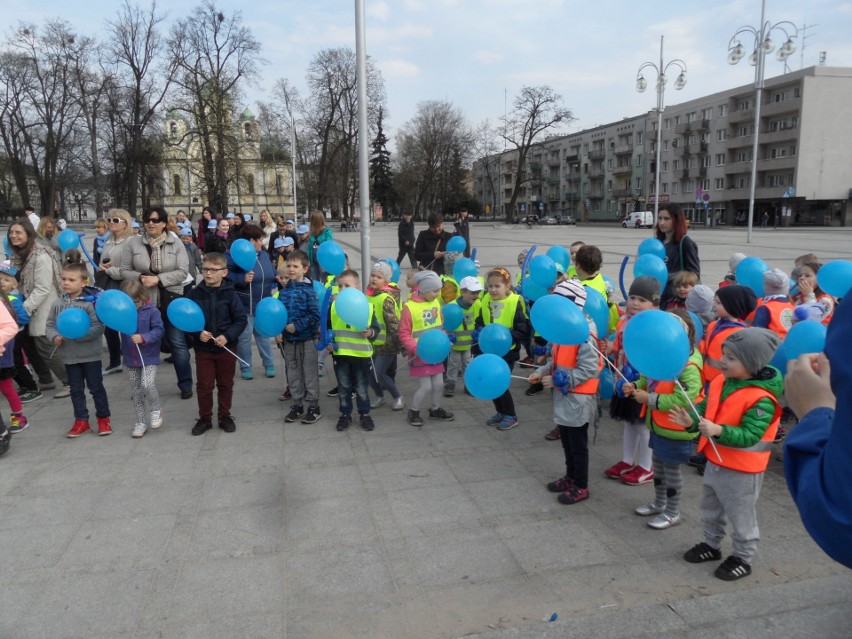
column 153, row 220
column 208, row 269
column 115, row 220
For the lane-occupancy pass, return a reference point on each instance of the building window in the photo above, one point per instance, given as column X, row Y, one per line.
column 720, row 159
column 677, row 120
column 639, row 137
column 707, row 113
column 173, row 129
column 665, row 145
column 279, row 183
column 247, row 129
column 743, row 104
column 719, row 183
column 691, row 139
column 723, row 110
column 705, row 161
column 665, row 165
column 667, row 124
column 177, row 185
column 250, row 183
column 675, row 187
column 721, row 134
column 638, row 160
column 675, row 165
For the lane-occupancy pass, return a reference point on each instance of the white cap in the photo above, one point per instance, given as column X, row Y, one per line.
column 471, row 284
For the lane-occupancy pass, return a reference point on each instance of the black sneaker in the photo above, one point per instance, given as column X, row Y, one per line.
column 30, row 396
column 332, row 392
column 698, row 459
column 202, row 426
column 186, row 393
column 534, row 389
column 226, row 423
column 733, row 568
column 343, row 422
column 414, row 418
column 449, row 390
column 367, row 422
column 295, row 414
column 440, row 413
column 312, row 415
column 780, row 435
column 702, row 552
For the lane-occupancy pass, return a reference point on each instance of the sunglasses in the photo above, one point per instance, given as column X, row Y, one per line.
column 115, row 220
column 153, row 220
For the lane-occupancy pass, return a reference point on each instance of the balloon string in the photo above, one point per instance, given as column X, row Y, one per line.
column 698, row 415
column 141, row 359
column 526, row 379
column 610, row 364
column 53, row 352
column 237, row 356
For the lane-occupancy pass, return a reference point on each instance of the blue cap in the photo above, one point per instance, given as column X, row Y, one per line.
column 7, row 269
column 290, row 222
column 135, row 224
column 212, row 224
column 184, row 232
column 229, row 216
column 281, row 242
column 246, row 218
column 304, row 228
column 184, row 224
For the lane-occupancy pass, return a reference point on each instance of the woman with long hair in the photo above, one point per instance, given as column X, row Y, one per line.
column 319, row 233
column 267, row 225
column 681, row 251
column 204, row 227
column 108, row 275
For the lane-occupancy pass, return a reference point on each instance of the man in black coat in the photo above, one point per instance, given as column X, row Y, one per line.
column 462, row 226
column 405, row 237
column 431, row 244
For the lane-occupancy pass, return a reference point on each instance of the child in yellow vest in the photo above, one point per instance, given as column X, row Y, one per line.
column 469, row 302
column 741, row 413
column 385, row 301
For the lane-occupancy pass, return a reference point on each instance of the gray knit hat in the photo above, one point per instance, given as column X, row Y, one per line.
column 775, row 282
column 573, row 290
column 754, row 347
column 700, row 299
column 734, row 260
column 384, row 269
column 647, row 288
column 427, row 281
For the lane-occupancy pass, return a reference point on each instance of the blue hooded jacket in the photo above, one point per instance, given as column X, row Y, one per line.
column 263, row 284
column 149, row 324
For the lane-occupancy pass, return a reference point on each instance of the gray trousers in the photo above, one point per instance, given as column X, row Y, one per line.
column 733, row 495
column 301, row 359
column 48, row 353
column 457, row 362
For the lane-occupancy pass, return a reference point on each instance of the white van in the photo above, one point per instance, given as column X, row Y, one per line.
column 638, row 220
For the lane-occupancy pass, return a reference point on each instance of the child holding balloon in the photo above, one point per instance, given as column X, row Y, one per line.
column 503, row 306
column 384, row 298
column 141, row 352
column 469, row 303
column 421, row 313
column 76, row 331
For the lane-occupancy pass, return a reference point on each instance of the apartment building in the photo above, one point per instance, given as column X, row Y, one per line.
column 804, row 159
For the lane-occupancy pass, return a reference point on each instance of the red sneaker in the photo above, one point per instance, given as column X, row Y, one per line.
column 553, row 435
column 80, row 426
column 638, row 476
column 103, row 426
column 616, row 471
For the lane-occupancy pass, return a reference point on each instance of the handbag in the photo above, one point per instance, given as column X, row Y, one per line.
column 166, row 297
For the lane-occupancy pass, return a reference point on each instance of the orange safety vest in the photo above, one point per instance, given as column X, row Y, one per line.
column 780, row 316
column 566, row 357
column 753, row 459
column 711, row 348
column 661, row 418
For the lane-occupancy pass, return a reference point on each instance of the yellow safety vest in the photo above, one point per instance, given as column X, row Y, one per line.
column 503, row 311
column 331, row 281
column 599, row 284
column 464, row 333
column 378, row 304
column 424, row 316
column 349, row 341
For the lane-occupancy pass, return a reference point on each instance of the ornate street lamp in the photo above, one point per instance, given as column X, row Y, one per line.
column 641, row 85
column 763, row 45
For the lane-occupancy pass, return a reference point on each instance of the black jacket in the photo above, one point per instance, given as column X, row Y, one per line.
column 462, row 227
column 405, row 233
column 224, row 314
column 690, row 262
column 424, row 250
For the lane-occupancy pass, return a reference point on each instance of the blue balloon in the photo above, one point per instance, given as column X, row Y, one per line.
column 73, row 323
column 186, row 315
column 465, row 267
column 699, row 326
column 607, row 384
column 433, row 346
column 457, row 244
column 319, row 289
column 243, row 254
column 750, row 273
column 597, row 309
column 651, row 266
column 652, row 246
column 779, row 360
column 835, row 278
column 117, row 310
column 533, row 291
column 331, row 257
column 270, row 317
column 453, row 316
column 395, row 266
column 6, row 250
column 656, row 344
column 495, row 339
column 804, row 337
column 68, row 239
column 487, row 376
column 543, row 271
column 561, row 256
column 353, row 307
column 558, row 320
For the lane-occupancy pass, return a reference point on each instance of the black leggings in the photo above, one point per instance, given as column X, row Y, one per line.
column 504, row 404
column 113, row 340
column 575, row 444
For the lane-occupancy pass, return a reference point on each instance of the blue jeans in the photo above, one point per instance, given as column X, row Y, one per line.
column 380, row 380
column 264, row 346
column 180, row 354
column 79, row 377
column 352, row 374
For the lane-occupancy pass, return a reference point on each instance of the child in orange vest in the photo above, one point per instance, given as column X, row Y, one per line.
column 741, row 413
column 575, row 403
column 774, row 310
column 670, row 443
column 731, row 305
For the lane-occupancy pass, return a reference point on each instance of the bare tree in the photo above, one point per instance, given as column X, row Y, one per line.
column 486, row 151
column 215, row 55
column 535, row 110
column 433, row 146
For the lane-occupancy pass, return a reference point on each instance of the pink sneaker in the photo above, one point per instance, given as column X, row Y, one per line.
column 637, row 476
column 616, row 471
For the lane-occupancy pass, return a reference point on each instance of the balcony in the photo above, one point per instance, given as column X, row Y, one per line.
column 698, row 172
column 792, row 105
column 597, row 154
column 622, row 192
column 622, row 170
column 699, row 148
column 596, row 194
column 743, row 115
column 624, row 149
column 553, row 181
column 684, row 174
column 740, row 142
column 572, row 159
column 781, row 135
column 774, row 164
column 695, row 125
column 572, row 177
column 596, row 174
column 571, row 195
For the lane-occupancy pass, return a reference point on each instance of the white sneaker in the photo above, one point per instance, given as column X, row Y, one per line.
column 156, row 418
column 663, row 521
column 398, row 403
column 646, row 510
column 377, row 402
column 139, row 430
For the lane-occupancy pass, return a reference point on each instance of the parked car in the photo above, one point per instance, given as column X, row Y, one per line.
column 548, row 220
column 566, row 219
column 638, row 220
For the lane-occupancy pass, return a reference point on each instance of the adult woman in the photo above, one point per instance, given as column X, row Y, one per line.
column 108, row 275
column 203, row 224
column 181, row 220
column 236, row 225
column 264, row 221
column 681, row 251
column 219, row 240
column 252, row 286
column 319, row 233
column 47, row 231
column 40, row 285
column 158, row 259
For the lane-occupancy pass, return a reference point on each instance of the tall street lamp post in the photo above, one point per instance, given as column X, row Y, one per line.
column 763, row 44
column 641, row 85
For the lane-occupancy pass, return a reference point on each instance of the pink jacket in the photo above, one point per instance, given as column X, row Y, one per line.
column 419, row 368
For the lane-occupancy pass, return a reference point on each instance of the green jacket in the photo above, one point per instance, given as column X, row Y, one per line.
column 757, row 419
column 691, row 380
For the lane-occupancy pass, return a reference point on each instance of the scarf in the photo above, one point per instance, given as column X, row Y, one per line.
column 156, row 244
column 28, row 273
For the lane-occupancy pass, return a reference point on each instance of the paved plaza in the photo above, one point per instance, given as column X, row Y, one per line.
column 297, row 531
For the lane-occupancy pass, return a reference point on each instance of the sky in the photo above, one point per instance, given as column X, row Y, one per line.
column 478, row 54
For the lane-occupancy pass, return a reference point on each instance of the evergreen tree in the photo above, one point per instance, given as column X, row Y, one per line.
column 381, row 176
